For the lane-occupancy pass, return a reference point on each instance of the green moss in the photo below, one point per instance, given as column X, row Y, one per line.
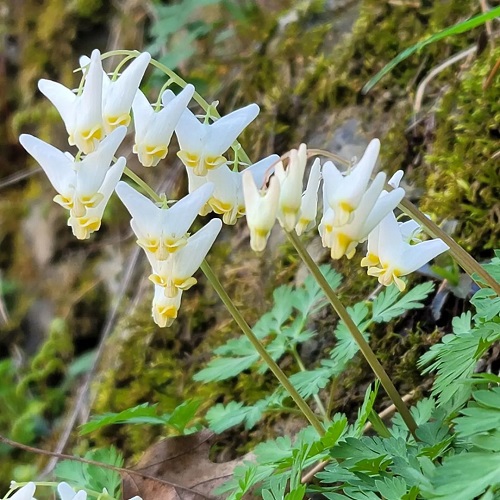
column 463, row 177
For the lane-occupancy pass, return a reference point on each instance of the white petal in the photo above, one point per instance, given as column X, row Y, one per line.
column 309, row 204
column 190, row 132
column 121, row 92
column 384, row 204
column 416, row 256
column 189, row 258
column 57, row 166
column 390, row 243
column 62, row 98
column 178, row 219
column 395, row 180
column 25, row 493
column 142, row 115
column 225, row 130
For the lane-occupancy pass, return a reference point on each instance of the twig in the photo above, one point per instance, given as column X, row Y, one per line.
column 121, row 470
column 438, row 69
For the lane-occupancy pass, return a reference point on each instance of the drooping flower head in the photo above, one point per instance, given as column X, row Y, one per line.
column 84, row 187
column 81, row 113
column 154, row 129
column 309, row 201
column 391, row 254
column 202, row 145
column 25, row 493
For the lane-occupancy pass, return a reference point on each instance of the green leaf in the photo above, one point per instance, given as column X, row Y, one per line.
column 309, row 382
column 223, row 368
column 452, row 30
column 385, row 307
column 391, row 488
column 367, row 407
column 183, row 414
column 221, row 418
column 92, row 477
column 141, row 414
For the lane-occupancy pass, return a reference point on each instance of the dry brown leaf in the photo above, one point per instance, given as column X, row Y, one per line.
column 182, row 462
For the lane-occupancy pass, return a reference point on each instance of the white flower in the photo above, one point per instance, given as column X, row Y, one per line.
column 119, row 94
column 227, row 198
column 261, row 209
column 66, row 492
column 390, row 254
column 82, row 114
column 202, row 145
column 291, row 181
column 175, row 274
column 165, row 309
column 309, row 203
column 373, row 207
column 84, row 186
column 162, row 231
column 25, row 493
column 153, row 130
column 343, row 193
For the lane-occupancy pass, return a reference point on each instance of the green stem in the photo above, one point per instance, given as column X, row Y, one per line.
column 182, row 83
column 357, row 335
column 464, row 259
column 143, row 184
column 278, row 372
column 302, row 368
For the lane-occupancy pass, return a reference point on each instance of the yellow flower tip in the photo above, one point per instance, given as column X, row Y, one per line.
column 185, row 284
column 164, row 316
column 157, row 280
column 302, row 225
column 371, row 260
column 64, row 201
column 83, row 227
column 89, row 139
column 344, row 213
column 91, row 201
column 173, row 244
column 112, row 122
column 341, row 244
column 150, row 155
column 191, row 160
column 258, row 239
column 213, row 162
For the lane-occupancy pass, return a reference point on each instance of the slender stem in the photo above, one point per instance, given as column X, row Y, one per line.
column 182, row 83
column 143, row 184
column 357, row 335
column 464, row 259
column 278, row 372
column 302, row 368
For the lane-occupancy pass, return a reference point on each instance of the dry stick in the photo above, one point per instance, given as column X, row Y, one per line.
column 121, row 470
column 389, row 411
column 363, row 345
column 464, row 259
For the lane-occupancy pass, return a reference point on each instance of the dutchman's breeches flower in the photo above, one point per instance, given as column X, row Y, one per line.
column 25, row 493
column 309, row 202
column 373, row 207
column 227, row 199
column 162, row 231
column 82, row 114
column 291, row 180
column 202, row 145
column 261, row 208
column 84, row 187
column 154, row 129
column 390, row 254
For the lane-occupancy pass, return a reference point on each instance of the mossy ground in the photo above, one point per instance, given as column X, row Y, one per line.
column 301, row 74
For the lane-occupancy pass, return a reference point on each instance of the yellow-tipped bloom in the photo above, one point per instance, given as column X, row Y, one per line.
column 261, row 208
column 153, row 130
column 390, row 254
column 82, row 114
column 202, row 145
column 309, row 202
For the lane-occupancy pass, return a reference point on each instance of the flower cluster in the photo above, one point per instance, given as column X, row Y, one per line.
column 97, row 116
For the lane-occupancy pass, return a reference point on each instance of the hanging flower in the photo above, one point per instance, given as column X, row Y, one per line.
column 309, row 201
column 81, row 113
column 25, row 493
column 154, row 129
column 391, row 254
column 202, row 145
column 261, row 208
column 373, row 207
column 84, row 187
column 343, row 192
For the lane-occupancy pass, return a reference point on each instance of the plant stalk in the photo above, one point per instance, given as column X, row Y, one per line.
column 357, row 335
column 277, row 371
column 143, row 184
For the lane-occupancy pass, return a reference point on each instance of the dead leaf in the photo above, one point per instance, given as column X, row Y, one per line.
column 183, row 463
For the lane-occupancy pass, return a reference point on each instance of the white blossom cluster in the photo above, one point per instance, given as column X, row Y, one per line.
column 97, row 117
